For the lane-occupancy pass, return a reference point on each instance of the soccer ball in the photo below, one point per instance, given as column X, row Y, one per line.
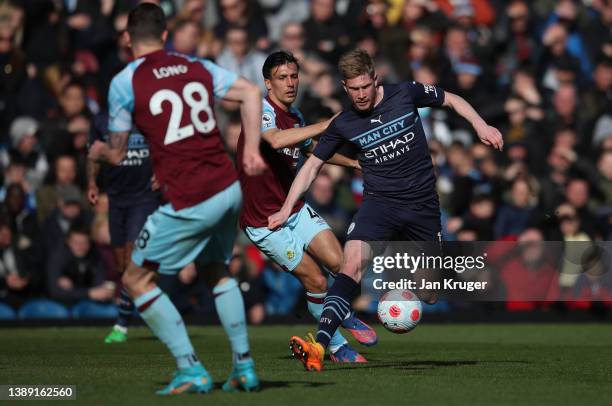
column 399, row 311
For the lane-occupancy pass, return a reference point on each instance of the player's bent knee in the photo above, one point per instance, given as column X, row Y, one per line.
column 137, row 280
column 319, row 282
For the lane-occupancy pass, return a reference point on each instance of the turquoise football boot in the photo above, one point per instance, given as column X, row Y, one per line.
column 243, row 377
column 195, row 379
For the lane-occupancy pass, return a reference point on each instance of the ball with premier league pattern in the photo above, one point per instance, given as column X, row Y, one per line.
column 399, row 311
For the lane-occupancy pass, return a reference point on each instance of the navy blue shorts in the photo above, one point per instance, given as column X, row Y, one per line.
column 384, row 220
column 125, row 222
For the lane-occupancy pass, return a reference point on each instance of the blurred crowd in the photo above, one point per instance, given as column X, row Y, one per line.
column 540, row 71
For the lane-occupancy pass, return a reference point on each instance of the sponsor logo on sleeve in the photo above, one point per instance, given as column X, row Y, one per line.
column 267, row 121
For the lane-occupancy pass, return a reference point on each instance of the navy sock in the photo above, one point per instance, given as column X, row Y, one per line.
column 336, row 307
column 126, row 308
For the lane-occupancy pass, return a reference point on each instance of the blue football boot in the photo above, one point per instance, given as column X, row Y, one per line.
column 243, row 377
column 195, row 379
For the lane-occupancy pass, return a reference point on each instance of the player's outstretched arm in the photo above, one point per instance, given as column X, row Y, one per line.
column 112, row 152
column 336, row 159
column 300, row 184
column 291, row 136
column 342, row 160
column 488, row 135
column 249, row 95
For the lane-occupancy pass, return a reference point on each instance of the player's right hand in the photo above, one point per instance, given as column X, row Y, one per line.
column 490, row 136
column 277, row 219
column 154, row 183
column 253, row 163
column 92, row 194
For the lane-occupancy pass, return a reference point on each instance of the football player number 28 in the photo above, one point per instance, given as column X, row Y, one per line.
column 197, row 105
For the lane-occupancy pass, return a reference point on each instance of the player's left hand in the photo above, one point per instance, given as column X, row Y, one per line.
column 96, row 150
column 253, row 163
column 490, row 136
column 277, row 219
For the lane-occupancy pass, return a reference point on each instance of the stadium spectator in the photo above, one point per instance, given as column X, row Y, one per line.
column 185, row 38
column 65, row 173
column 60, row 132
column 240, row 57
column 577, row 192
column 529, row 277
column 24, row 150
column 555, row 59
column 515, row 216
column 420, row 28
column 21, row 277
column 292, row 39
column 280, row 13
column 515, row 38
column 565, row 15
column 75, row 271
column 15, row 174
column 594, row 285
column 597, row 100
column 563, row 112
column 326, row 31
column 322, row 99
column 246, row 15
column 456, row 49
column 478, row 221
column 24, row 225
column 69, row 212
column 480, row 10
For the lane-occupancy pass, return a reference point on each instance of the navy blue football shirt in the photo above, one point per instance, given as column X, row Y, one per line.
column 393, row 151
column 130, row 182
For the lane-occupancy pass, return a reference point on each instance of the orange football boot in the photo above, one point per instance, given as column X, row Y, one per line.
column 308, row 351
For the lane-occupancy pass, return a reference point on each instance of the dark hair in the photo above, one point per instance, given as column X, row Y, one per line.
column 275, row 59
column 79, row 227
column 146, row 22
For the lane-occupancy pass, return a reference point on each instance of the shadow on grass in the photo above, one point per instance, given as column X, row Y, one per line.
column 292, row 384
column 265, row 384
column 416, row 364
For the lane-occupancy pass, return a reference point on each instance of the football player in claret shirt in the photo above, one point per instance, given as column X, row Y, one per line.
column 168, row 97
column 306, row 240
column 400, row 198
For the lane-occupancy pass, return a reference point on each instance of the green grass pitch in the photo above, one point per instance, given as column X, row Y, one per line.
column 464, row 364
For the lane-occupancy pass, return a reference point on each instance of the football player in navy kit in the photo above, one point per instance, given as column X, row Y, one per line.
column 131, row 198
column 400, row 199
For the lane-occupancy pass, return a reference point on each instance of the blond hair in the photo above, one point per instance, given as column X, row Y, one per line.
column 356, row 63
